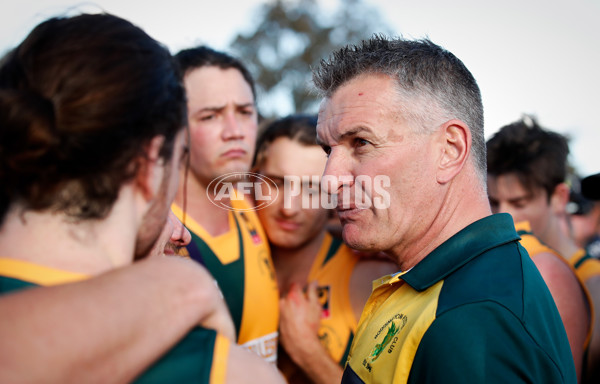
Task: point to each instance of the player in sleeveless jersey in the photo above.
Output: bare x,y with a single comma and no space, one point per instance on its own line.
324,284
226,235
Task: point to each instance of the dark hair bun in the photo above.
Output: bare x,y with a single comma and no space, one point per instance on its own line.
28,138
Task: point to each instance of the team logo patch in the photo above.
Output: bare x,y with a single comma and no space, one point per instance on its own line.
324,296
256,239
387,337
330,339
265,265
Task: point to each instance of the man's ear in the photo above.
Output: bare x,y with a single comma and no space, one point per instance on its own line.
455,140
560,198
151,169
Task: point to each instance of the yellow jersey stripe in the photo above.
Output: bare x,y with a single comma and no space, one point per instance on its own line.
37,274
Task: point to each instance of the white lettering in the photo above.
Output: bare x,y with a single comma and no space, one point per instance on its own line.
291,188
245,188
361,198
311,192
382,200
345,181
265,347
258,191
226,191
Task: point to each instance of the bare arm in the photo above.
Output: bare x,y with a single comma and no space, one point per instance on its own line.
570,301
108,328
245,367
593,374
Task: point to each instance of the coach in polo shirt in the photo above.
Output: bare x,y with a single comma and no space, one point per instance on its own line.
469,304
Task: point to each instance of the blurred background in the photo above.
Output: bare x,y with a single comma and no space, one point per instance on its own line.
529,56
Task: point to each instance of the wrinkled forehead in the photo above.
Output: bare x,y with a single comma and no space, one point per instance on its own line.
368,102
336,120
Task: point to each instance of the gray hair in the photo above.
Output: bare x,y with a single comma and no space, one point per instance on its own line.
435,81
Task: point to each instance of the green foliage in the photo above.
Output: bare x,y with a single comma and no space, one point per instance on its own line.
290,38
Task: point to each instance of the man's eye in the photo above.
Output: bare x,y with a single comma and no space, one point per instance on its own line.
207,117
358,142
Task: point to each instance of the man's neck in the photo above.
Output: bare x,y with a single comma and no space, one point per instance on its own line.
460,205
89,247
557,238
293,265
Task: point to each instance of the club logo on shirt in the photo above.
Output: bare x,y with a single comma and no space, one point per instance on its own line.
256,239
330,340
265,265
324,295
387,334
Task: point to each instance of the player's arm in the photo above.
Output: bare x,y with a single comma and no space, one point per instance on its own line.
108,328
298,327
244,367
570,301
593,363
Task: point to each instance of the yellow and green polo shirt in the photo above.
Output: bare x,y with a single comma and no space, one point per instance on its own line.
475,310
200,357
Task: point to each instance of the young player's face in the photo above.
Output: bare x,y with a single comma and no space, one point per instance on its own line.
223,122
298,222
508,195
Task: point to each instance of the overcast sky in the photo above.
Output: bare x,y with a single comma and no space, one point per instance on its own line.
528,56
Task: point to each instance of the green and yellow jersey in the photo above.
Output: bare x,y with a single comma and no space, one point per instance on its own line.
475,310
240,261
332,269
585,265
534,247
200,357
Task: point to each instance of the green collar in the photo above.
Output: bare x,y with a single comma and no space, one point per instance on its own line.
464,246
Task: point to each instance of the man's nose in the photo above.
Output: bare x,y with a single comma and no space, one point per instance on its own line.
337,174
180,235
232,129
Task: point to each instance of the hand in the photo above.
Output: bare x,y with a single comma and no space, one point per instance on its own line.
299,321
298,332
